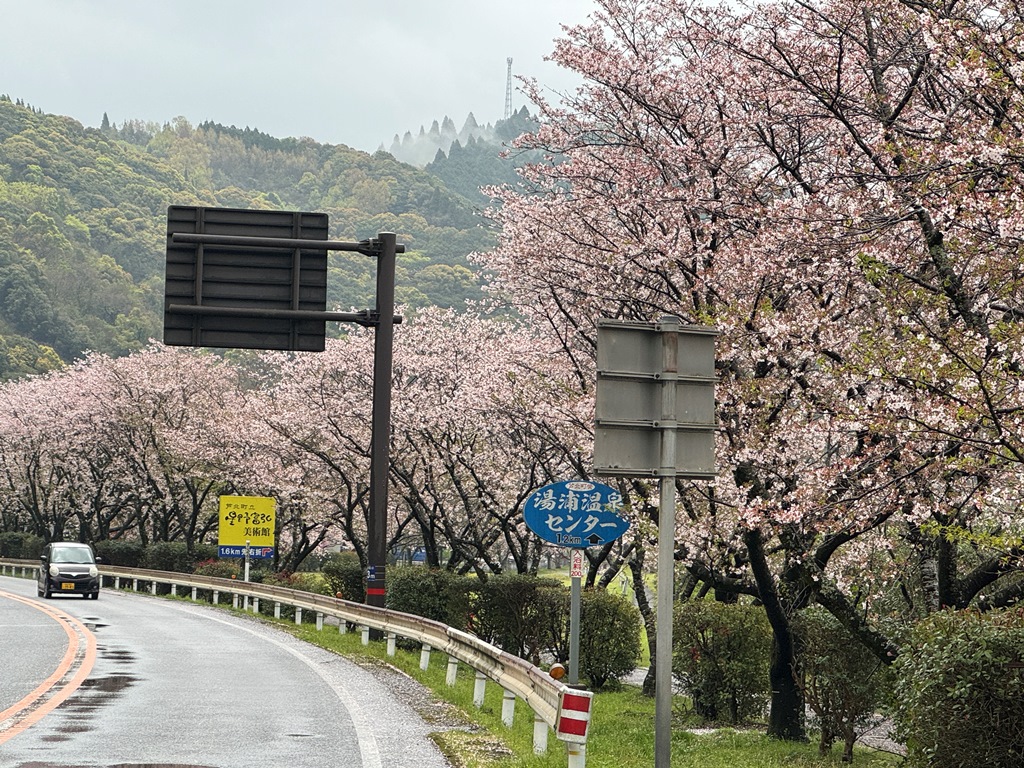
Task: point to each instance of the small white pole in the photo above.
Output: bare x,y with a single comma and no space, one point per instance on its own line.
425,657
391,643
508,707
479,687
453,671
540,735
577,754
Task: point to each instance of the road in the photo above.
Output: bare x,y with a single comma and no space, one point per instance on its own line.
131,681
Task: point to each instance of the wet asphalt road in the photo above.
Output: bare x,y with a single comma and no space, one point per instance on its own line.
177,685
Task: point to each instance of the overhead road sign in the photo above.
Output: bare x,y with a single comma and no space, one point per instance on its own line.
251,279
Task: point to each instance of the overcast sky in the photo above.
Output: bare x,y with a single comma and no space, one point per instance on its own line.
350,72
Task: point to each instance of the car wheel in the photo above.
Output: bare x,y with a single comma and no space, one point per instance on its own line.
47,592
93,595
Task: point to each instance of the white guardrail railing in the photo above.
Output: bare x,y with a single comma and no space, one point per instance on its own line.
548,698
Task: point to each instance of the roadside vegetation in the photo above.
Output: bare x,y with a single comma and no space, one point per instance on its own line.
622,731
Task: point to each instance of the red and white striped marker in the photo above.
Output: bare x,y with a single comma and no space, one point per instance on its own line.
573,715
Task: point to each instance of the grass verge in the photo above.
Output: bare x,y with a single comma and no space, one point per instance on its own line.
621,732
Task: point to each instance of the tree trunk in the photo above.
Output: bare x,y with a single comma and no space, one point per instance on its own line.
636,566
786,715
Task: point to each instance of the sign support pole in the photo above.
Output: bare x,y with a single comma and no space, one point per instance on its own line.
576,588
245,576
666,546
380,447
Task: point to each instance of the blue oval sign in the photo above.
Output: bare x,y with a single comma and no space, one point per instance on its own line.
576,513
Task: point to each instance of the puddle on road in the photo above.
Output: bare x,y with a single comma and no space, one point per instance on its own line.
93,694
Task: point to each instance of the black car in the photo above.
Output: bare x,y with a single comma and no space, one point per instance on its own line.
68,568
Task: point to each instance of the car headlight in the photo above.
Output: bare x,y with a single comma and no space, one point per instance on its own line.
94,571
54,571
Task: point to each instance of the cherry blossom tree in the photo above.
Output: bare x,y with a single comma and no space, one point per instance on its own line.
833,185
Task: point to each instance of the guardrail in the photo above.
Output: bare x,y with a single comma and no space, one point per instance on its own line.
517,677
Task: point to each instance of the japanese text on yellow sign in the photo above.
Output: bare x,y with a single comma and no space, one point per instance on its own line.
246,519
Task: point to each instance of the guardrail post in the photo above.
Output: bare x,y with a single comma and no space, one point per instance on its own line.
577,754
425,657
298,615
540,735
245,603
342,626
195,591
479,688
508,707
319,621
255,605
234,599
135,585
174,589
366,635
216,597
277,610
117,582
453,671
152,587
391,643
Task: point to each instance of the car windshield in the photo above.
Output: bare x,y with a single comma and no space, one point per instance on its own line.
71,555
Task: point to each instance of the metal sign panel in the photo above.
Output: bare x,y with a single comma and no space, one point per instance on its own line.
247,520
233,278
575,513
636,363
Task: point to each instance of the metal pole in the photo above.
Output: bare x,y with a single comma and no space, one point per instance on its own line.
380,452
245,576
669,327
574,629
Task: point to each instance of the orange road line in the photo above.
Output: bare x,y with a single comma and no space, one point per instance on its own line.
75,631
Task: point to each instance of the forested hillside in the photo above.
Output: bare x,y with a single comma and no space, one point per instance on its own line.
82,222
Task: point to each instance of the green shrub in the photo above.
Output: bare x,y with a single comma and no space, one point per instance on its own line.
609,637
842,681
222,569
20,546
508,612
168,556
610,632
431,593
959,694
344,574
126,554
721,653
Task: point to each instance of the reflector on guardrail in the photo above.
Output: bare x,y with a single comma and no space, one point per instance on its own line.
573,715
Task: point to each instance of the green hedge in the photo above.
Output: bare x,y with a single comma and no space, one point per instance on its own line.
431,593
720,657
843,682
344,574
959,693
20,546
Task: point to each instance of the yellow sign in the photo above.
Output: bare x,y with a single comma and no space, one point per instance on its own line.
246,519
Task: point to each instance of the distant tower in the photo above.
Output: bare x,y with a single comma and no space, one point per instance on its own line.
508,89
